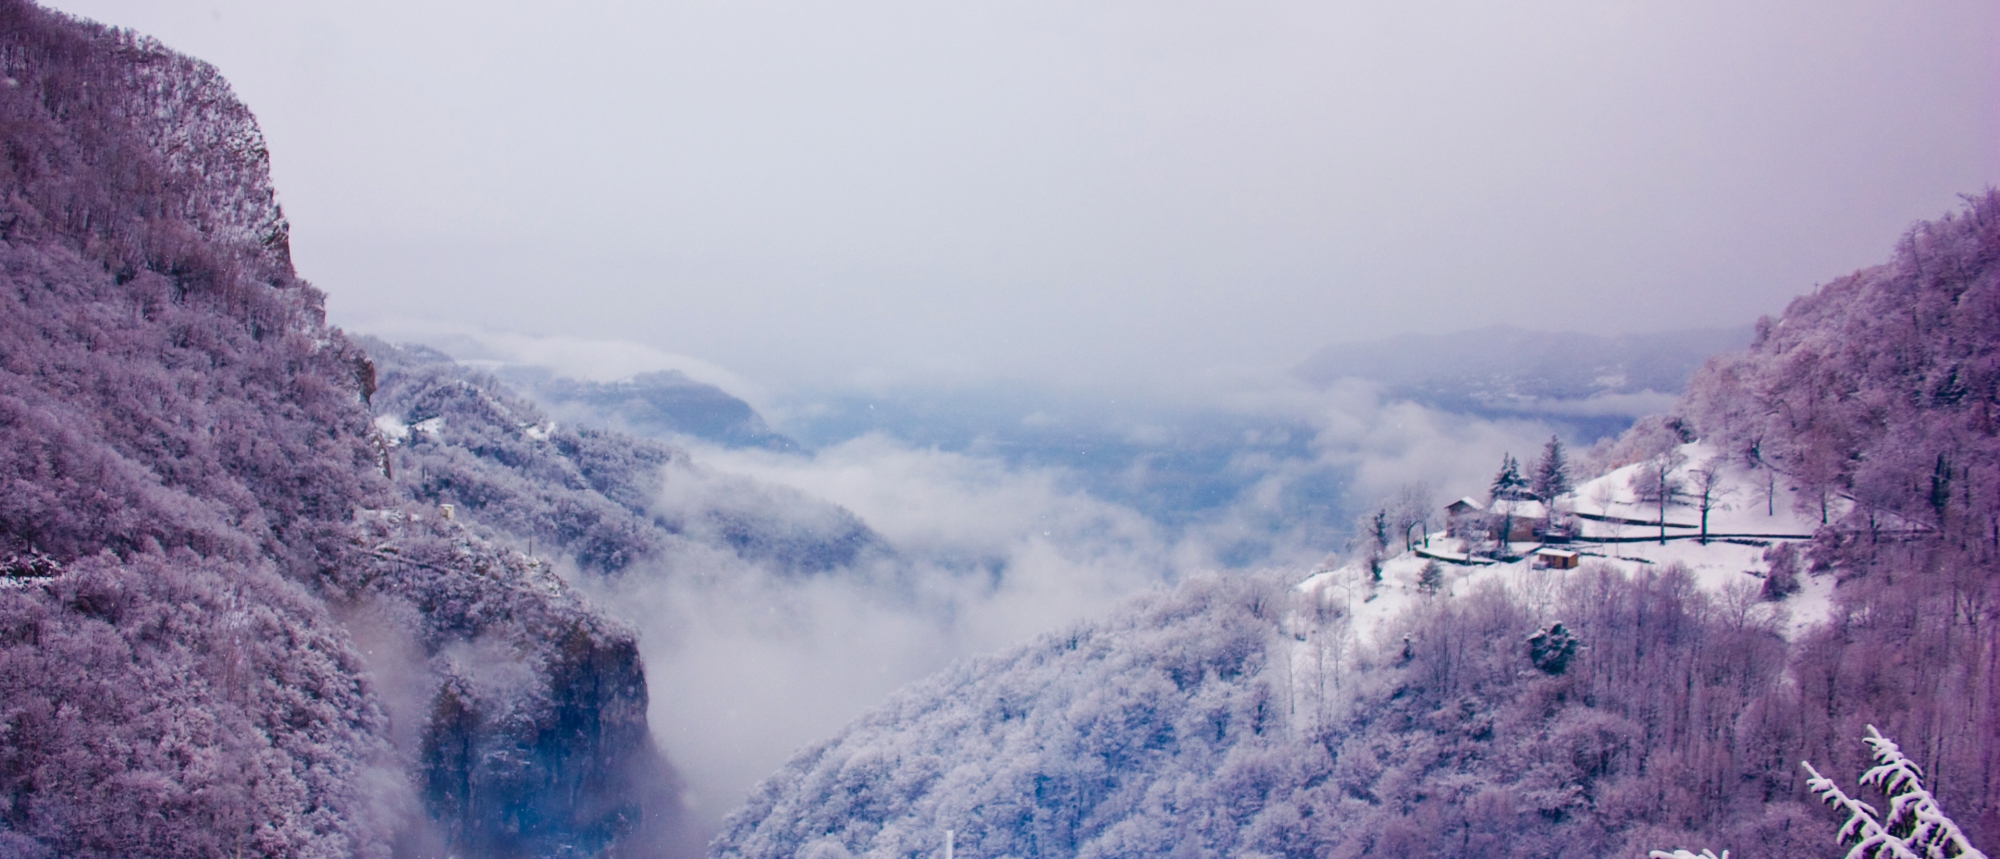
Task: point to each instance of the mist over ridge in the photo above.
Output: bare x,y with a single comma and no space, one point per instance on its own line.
1261,466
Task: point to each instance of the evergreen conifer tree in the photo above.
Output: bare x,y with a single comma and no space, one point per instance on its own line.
1431,578
1551,472
1508,483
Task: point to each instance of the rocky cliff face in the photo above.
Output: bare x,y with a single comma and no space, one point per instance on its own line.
524,708
223,630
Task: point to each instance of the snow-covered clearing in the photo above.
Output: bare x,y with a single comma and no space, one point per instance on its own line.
1343,610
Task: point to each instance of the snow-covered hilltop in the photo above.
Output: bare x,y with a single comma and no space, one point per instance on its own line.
1728,525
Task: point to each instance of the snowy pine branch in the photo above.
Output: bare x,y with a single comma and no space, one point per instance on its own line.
1911,805
1912,810
1869,838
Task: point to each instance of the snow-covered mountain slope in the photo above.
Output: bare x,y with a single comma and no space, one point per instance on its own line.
1346,714
1741,501
1335,713
223,632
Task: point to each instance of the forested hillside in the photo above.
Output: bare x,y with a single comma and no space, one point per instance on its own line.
1875,397
223,629
1190,725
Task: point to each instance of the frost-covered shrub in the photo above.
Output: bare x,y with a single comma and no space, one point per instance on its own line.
1550,649
1783,578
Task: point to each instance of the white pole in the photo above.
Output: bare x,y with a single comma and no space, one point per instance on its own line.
947,844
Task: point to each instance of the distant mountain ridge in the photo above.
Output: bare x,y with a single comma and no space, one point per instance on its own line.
1598,383
655,405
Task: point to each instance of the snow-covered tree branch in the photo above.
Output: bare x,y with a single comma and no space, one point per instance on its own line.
1916,827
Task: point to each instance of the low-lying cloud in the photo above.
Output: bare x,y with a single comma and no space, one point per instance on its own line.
1387,443
748,664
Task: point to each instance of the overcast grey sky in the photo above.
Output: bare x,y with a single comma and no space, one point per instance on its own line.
811,193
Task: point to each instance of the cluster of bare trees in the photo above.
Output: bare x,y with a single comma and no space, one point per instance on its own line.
1877,394
1398,523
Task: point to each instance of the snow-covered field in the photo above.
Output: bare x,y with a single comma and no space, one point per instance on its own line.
1350,611
1744,502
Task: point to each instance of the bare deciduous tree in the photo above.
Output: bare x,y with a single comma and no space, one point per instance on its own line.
1706,487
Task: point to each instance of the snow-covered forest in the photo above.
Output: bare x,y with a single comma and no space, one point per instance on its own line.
223,629
270,589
